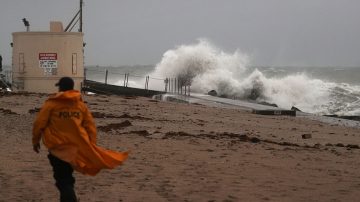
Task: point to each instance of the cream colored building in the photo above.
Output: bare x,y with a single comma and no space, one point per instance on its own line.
40,58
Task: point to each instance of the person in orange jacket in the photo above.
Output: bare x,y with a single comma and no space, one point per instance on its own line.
68,130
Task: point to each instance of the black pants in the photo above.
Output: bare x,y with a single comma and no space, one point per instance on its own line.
64,179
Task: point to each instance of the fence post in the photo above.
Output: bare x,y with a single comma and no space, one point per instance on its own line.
170,86
147,83
178,86
166,84
127,80
176,80
106,76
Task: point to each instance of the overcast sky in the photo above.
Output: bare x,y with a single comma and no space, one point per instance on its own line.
130,32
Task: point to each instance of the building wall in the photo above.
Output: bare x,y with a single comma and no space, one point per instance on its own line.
30,61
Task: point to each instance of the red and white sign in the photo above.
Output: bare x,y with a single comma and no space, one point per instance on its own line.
47,56
48,60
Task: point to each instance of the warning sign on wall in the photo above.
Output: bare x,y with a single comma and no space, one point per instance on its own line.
48,60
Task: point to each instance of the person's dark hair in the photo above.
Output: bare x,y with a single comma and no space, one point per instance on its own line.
65,83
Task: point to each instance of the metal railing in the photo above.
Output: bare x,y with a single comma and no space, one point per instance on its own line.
169,85
6,78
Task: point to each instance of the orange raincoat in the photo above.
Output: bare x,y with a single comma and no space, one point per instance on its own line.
67,129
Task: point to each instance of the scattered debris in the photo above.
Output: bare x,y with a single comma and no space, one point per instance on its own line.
7,111
33,111
275,112
306,136
114,126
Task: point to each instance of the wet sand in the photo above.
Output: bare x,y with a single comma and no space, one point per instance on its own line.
187,152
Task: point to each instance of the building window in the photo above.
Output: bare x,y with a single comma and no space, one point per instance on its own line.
74,63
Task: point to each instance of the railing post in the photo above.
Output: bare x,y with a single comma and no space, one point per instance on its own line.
147,83
127,80
170,85
106,76
176,85
166,84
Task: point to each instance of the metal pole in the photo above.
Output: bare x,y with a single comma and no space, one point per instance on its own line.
127,80
172,85
146,82
124,80
85,70
147,85
175,82
68,26
168,84
81,22
106,76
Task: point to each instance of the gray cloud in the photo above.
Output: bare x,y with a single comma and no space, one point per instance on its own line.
273,32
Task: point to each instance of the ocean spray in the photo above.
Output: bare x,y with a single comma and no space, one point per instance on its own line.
209,68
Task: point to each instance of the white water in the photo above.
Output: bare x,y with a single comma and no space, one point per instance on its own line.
209,68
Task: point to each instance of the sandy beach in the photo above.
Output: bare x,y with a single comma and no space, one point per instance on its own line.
187,152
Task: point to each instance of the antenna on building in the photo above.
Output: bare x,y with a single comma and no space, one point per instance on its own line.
27,24
77,17
81,5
